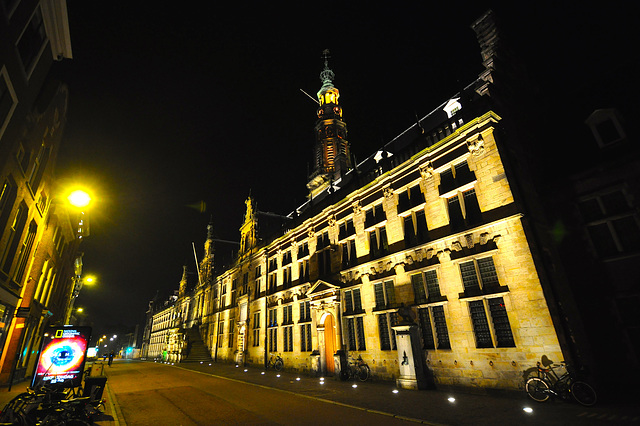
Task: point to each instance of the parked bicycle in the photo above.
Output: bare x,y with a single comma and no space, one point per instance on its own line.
50,405
275,362
359,369
566,386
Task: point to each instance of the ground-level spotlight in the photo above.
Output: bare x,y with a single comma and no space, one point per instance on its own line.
298,379
245,370
451,399
262,372
395,391
277,375
528,410
354,386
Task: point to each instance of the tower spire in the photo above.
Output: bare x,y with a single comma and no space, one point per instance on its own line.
332,151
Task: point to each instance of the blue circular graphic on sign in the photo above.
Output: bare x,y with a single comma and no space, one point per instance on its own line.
62,356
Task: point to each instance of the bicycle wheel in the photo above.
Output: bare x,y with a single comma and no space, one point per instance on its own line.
537,389
278,365
363,373
583,393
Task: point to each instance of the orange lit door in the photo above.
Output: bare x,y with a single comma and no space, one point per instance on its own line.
329,343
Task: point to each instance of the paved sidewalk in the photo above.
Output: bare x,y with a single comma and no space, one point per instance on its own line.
435,407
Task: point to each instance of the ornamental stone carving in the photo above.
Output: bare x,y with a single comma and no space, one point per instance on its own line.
476,147
388,192
357,207
427,170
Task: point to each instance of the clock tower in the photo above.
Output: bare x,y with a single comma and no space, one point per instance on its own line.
332,155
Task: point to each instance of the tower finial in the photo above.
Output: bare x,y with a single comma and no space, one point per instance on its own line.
326,76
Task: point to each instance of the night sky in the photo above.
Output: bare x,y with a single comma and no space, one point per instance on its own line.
172,105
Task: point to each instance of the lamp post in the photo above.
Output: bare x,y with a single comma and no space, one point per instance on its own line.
80,200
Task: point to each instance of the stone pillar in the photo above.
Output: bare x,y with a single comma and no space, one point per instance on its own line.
412,374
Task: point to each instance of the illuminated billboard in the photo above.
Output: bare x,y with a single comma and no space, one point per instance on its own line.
62,356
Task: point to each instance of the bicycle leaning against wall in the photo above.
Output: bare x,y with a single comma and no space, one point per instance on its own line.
358,369
275,362
548,383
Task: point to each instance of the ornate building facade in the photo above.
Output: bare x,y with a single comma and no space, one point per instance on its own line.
426,235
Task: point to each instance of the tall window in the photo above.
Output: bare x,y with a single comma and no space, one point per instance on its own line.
25,251
8,194
378,245
346,229
387,335
426,287
410,198
32,41
38,167
433,327
305,311
355,333
415,229
349,257
352,301
232,332
273,329
220,333
464,210
374,216
8,100
479,276
305,338
258,274
256,329
501,327
15,231
384,293
303,270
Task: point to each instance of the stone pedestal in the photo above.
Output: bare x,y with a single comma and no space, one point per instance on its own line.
412,374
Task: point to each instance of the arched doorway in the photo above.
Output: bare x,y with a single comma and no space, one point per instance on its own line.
329,342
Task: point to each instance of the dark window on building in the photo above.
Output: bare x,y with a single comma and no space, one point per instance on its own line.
305,338
256,329
378,245
612,223
32,40
480,324
346,229
479,276
352,301
6,101
410,198
349,257
499,318
232,330
426,287
8,196
13,240
385,296
305,312
464,210
355,334
374,216
437,326
25,251
387,335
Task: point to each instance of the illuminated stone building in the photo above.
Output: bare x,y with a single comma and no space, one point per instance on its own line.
39,236
427,234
